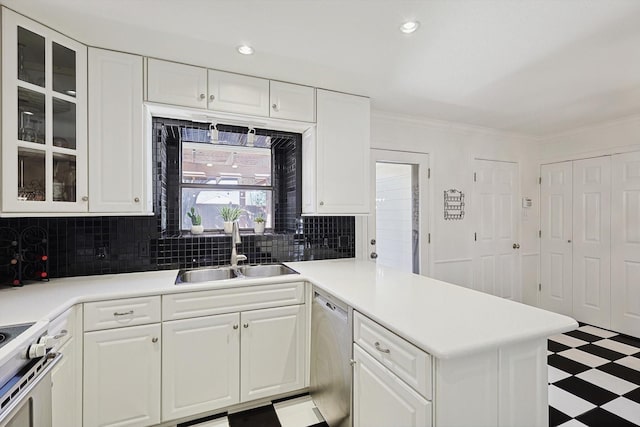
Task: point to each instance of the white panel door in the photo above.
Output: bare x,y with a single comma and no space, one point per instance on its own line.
273,355
200,365
381,399
116,144
625,244
592,241
176,84
556,219
496,260
237,93
122,377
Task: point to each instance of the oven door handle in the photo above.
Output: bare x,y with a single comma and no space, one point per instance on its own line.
18,400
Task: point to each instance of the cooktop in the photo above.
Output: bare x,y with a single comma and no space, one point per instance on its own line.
7,333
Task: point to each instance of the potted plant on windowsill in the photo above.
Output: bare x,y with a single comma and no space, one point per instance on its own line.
258,225
229,216
196,221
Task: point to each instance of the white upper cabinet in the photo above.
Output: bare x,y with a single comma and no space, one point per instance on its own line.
236,93
176,84
292,102
336,159
117,147
44,119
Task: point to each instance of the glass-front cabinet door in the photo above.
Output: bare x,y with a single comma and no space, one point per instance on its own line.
44,117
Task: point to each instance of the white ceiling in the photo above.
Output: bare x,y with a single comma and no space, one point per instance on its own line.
535,67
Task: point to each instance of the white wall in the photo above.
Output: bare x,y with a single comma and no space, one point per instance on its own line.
452,149
614,137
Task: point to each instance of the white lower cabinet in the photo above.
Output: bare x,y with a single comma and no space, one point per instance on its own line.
200,365
122,376
273,351
382,399
217,361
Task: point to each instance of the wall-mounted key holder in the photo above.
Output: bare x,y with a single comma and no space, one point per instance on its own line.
453,204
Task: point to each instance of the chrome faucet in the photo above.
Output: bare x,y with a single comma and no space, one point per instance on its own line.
235,239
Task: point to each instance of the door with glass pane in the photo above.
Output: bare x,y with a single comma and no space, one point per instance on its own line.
398,224
44,142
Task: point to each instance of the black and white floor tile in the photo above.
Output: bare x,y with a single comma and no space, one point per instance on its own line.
295,412
594,379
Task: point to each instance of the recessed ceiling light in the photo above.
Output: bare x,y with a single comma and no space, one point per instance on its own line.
409,27
245,49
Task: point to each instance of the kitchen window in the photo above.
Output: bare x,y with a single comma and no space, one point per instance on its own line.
233,168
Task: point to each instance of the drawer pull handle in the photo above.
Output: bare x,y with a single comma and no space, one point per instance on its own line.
380,349
63,333
123,314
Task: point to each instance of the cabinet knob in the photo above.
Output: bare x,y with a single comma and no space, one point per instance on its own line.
352,362
275,107
235,326
321,203
246,325
154,340
137,199
569,241
85,198
212,97
202,96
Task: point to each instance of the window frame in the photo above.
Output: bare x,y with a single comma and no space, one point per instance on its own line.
225,187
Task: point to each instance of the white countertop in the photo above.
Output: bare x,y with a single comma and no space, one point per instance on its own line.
443,319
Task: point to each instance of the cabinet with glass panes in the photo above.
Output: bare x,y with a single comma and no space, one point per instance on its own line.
44,116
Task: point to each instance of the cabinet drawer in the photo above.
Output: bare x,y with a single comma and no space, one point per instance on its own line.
122,312
206,303
64,326
404,359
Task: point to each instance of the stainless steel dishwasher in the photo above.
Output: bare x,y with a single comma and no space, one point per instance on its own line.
331,350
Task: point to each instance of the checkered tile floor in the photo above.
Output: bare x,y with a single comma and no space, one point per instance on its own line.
292,412
594,379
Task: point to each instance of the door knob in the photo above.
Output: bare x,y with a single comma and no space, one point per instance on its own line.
373,255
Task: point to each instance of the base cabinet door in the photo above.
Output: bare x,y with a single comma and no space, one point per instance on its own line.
273,353
381,399
122,377
200,365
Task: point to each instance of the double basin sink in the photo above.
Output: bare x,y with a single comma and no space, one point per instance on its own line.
209,274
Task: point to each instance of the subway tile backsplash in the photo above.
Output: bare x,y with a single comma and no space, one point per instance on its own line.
80,246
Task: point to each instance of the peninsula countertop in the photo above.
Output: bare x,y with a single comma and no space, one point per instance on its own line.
443,319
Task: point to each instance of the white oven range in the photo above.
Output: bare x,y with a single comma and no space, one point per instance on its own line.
26,361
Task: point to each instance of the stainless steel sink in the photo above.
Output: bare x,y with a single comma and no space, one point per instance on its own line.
265,270
210,274
205,275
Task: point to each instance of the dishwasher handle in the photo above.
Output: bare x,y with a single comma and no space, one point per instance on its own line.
328,306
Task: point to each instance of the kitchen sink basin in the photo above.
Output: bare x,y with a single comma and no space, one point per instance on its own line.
211,274
265,270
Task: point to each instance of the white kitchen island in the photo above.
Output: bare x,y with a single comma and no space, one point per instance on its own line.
476,359
489,355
